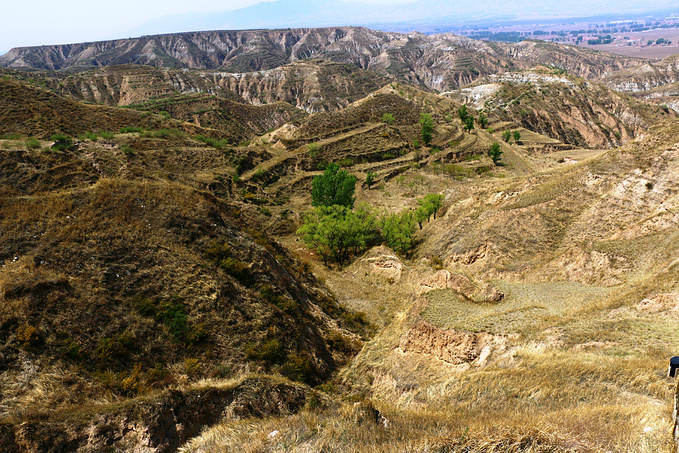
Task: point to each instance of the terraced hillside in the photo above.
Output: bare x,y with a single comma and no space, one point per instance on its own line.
49,114
538,308
563,107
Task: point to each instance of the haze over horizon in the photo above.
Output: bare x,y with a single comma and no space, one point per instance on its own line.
38,22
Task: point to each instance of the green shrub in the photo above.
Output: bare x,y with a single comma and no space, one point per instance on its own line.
62,142
117,348
517,137
346,162
426,127
222,371
219,144
270,351
369,179
71,349
388,118
92,136
313,149
168,312
398,229
298,367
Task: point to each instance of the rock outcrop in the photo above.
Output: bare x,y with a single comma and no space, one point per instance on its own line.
452,346
158,425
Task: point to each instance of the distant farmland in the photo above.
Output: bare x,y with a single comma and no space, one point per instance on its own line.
671,34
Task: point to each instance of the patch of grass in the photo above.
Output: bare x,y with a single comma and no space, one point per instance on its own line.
219,144
131,129
33,143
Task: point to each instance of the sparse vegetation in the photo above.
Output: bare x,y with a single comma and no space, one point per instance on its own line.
62,142
219,144
142,270
33,143
313,149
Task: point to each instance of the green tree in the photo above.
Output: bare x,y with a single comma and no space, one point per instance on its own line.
336,232
495,152
333,187
462,113
388,118
427,127
421,214
482,120
469,124
369,179
433,201
398,230
517,136
506,136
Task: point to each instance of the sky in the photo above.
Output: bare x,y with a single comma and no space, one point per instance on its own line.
43,22
47,22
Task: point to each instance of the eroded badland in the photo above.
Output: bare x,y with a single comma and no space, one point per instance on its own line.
156,296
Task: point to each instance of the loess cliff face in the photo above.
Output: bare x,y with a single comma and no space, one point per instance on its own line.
646,76
438,62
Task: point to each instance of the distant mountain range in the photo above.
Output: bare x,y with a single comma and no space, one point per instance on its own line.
322,13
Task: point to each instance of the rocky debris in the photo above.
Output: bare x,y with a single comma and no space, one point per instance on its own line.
657,303
452,346
595,345
589,267
472,256
443,279
383,263
156,425
364,413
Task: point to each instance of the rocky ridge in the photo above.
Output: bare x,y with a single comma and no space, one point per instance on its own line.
439,62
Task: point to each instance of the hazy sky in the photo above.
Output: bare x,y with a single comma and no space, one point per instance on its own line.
38,22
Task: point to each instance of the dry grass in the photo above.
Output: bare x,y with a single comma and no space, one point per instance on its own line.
525,308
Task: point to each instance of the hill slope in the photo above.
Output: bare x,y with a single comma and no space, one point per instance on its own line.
561,106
